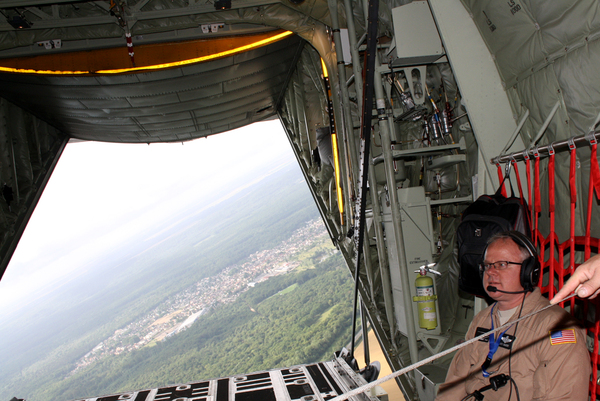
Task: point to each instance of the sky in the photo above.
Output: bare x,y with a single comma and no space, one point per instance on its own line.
101,194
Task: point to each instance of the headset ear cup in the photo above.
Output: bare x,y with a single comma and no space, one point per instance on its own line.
527,269
530,269
482,258
535,273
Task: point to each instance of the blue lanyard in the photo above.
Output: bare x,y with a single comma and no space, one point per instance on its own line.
493,344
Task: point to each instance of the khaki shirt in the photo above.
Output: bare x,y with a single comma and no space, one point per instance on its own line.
542,368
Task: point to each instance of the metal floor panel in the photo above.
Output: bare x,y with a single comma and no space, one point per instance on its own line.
311,382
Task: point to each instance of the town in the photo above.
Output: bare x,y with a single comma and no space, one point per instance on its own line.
181,310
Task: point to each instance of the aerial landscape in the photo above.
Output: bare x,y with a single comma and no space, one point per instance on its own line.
245,281
180,311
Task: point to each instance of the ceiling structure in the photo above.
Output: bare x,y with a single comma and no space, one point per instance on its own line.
172,104
133,71
156,90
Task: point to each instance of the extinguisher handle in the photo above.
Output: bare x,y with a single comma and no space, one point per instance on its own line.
427,268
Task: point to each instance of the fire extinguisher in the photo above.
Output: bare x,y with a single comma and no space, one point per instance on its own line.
426,297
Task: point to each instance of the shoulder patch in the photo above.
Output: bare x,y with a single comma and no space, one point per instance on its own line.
563,337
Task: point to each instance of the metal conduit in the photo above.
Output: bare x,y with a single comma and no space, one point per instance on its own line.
341,165
383,258
368,266
397,234
365,333
347,126
356,65
386,144
546,122
546,150
516,132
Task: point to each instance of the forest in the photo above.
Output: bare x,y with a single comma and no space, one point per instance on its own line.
268,326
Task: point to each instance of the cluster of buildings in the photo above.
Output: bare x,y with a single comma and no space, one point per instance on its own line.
179,311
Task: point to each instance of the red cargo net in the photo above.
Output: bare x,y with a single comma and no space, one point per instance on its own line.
556,258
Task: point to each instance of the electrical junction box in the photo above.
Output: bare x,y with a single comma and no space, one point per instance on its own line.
427,379
416,35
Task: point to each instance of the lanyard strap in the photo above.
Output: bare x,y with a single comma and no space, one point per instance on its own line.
493,345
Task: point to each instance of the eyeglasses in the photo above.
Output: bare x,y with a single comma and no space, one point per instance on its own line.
500,265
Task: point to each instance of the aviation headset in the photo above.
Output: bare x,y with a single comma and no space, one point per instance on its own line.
530,267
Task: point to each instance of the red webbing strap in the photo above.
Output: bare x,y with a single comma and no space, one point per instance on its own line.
573,190
561,262
538,195
595,170
501,180
594,380
528,216
573,176
551,185
588,222
514,163
543,263
529,191
593,328
594,176
528,173
552,207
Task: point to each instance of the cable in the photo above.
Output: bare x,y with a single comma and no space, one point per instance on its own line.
496,382
516,388
468,396
510,356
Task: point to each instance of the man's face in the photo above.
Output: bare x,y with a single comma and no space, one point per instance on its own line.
508,279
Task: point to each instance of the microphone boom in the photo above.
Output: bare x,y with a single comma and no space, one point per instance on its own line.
491,288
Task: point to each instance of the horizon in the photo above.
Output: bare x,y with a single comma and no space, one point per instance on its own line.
90,206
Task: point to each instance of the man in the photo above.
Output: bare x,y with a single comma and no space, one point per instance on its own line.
543,357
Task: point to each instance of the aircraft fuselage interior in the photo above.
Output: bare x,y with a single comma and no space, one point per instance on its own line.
400,114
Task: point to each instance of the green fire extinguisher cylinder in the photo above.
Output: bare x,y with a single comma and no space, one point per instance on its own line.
426,302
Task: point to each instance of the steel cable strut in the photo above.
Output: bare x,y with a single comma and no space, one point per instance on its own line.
365,133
